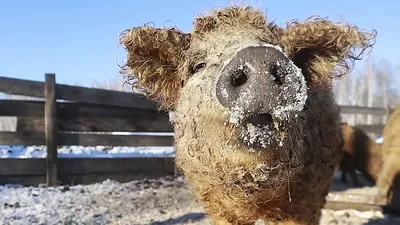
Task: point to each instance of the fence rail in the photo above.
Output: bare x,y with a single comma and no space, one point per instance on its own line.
362,110
85,170
52,121
66,92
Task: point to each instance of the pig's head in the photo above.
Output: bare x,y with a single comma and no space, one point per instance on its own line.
237,81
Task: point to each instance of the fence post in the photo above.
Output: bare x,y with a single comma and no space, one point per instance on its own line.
50,128
387,112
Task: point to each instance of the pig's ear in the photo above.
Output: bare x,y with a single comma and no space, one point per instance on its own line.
324,50
153,58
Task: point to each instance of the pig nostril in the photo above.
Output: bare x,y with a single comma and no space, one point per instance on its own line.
274,72
239,78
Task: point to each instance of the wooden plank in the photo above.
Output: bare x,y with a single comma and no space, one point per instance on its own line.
22,138
114,140
85,170
80,94
80,117
21,108
106,97
23,180
362,110
73,109
81,178
50,129
89,139
114,165
337,205
76,166
15,86
86,117
22,167
335,196
134,124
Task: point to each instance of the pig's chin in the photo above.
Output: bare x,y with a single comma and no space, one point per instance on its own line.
259,131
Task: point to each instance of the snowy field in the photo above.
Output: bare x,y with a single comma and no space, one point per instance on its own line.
167,200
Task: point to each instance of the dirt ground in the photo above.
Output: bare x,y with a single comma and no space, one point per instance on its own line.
176,205
163,201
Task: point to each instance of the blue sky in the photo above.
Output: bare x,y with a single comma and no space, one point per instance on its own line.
78,40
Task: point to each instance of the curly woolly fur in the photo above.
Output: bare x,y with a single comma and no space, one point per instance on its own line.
237,184
389,178
361,153
160,72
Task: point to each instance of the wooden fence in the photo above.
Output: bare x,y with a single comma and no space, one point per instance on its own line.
63,104
381,113
80,104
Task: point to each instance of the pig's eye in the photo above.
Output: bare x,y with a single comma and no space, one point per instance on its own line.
197,67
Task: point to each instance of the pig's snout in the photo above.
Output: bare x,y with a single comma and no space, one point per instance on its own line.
260,79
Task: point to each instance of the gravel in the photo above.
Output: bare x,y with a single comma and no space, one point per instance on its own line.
160,201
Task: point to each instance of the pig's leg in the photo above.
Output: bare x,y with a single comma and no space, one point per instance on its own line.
343,178
344,169
355,178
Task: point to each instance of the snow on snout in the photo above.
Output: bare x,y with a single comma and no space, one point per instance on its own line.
291,95
293,79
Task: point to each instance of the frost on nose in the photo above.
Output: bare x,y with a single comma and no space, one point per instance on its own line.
262,90
261,79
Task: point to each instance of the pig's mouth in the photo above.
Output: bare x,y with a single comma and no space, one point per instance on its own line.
260,120
260,130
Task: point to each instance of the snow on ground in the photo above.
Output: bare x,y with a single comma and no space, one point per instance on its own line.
87,152
109,202
92,151
166,200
